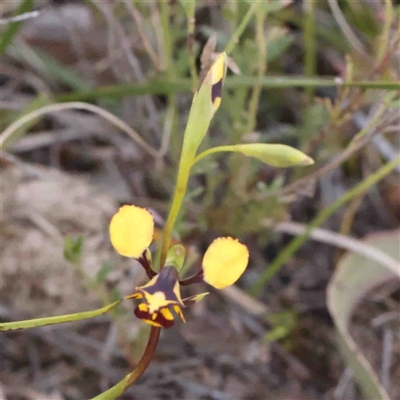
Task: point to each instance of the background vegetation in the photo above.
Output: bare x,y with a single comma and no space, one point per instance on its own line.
94,101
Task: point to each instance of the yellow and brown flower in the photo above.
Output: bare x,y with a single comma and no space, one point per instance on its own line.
131,233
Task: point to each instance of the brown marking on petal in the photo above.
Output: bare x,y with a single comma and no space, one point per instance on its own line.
165,282
197,278
162,319
216,93
192,300
189,301
179,312
141,311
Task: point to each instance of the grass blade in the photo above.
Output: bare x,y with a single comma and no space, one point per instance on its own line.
158,87
7,36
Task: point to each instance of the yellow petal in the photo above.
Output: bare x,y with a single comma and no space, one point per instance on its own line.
224,262
178,310
131,231
218,71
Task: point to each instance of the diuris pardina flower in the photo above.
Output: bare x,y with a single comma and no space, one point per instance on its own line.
131,233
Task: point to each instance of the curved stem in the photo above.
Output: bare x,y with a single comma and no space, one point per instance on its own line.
21,122
118,389
240,29
179,194
146,357
212,151
197,278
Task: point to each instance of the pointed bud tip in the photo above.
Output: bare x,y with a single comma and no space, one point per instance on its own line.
308,161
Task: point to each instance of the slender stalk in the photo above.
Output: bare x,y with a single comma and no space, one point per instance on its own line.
213,150
242,26
296,243
191,25
167,40
167,86
58,319
261,70
146,357
179,194
118,389
310,45
385,36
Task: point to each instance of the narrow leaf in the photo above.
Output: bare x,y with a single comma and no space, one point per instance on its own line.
59,319
73,249
355,276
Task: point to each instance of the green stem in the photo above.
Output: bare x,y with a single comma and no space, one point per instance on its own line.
147,355
158,87
242,26
385,36
167,40
179,194
118,389
191,24
213,150
261,69
297,242
310,45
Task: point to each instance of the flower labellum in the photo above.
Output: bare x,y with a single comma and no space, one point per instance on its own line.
159,295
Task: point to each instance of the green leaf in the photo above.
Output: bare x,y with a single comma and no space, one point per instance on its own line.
59,319
61,73
7,36
276,155
73,249
355,276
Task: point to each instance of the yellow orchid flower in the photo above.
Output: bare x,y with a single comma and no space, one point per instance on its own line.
131,233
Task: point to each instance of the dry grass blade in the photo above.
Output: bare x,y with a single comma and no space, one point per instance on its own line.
19,18
346,29
345,242
8,132
247,302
